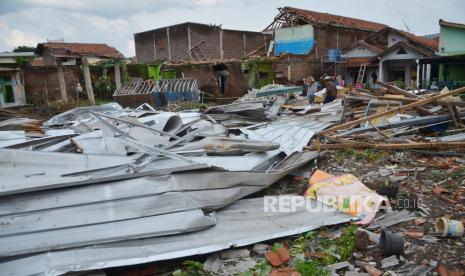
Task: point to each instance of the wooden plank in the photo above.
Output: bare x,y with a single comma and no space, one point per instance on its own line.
397,90
356,97
421,102
452,116
424,145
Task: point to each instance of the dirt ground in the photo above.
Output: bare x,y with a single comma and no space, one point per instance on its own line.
417,173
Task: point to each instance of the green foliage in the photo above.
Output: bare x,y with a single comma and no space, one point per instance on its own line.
261,72
310,268
347,243
22,60
24,48
400,83
310,235
276,246
297,246
344,154
103,87
138,71
262,268
371,155
368,155
191,268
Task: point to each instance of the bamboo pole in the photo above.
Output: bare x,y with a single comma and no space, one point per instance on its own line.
393,111
422,145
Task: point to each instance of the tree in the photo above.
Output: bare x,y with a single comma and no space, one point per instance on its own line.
24,48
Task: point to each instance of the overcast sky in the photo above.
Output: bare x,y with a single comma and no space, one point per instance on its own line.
27,22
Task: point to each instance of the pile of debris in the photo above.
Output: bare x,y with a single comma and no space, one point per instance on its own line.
99,181
106,186
392,118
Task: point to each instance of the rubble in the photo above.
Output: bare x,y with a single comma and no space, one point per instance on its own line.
173,184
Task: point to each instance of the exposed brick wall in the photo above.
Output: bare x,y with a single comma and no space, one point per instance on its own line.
237,84
41,83
297,68
207,36
328,37
210,47
48,58
178,42
233,44
144,47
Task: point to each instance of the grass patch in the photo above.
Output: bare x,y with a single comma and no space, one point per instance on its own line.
262,268
191,268
367,155
310,268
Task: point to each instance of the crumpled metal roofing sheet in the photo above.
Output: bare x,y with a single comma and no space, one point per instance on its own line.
242,223
141,227
291,134
449,138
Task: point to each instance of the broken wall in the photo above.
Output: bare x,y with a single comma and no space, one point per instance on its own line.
237,84
156,45
41,83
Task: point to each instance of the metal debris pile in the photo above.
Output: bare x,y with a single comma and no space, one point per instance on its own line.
392,118
104,186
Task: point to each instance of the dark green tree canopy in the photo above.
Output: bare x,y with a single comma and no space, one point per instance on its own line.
24,48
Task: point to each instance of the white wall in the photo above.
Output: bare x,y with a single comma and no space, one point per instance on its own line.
394,38
360,51
393,55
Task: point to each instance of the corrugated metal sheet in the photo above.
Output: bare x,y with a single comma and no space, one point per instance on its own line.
294,132
233,229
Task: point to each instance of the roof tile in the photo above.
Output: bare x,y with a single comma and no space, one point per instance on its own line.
331,19
82,49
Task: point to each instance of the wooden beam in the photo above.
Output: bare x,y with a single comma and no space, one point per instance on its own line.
424,145
353,96
397,90
421,102
88,81
452,116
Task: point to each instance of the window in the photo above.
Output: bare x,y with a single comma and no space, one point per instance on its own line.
262,75
401,51
8,93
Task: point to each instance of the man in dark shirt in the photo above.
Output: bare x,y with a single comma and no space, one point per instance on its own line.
331,90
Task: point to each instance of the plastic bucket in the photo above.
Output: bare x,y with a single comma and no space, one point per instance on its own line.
449,228
390,243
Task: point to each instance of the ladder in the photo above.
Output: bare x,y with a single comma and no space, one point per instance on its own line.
361,74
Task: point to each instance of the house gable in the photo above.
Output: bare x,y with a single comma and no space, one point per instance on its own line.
401,51
393,38
360,51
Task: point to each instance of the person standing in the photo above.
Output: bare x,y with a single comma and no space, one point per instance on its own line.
331,90
312,89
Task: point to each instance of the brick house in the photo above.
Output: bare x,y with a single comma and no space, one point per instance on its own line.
391,55
195,41
62,65
310,42
12,81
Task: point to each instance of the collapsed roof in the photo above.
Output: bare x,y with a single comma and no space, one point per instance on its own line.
295,16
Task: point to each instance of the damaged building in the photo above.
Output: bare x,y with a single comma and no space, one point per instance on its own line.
312,42
194,41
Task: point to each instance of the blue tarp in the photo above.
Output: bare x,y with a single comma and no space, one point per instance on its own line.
299,47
